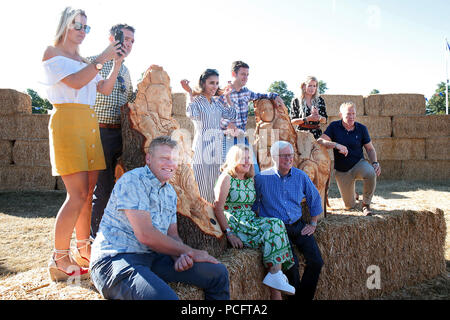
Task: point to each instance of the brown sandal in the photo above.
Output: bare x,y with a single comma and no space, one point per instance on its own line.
366,210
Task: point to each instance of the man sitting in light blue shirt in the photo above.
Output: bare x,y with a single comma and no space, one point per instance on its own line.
137,249
279,193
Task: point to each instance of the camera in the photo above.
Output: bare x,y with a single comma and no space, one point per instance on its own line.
119,37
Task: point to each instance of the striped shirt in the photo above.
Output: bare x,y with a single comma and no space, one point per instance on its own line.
207,144
281,197
108,107
240,100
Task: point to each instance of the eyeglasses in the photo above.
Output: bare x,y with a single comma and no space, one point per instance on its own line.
78,26
286,156
123,88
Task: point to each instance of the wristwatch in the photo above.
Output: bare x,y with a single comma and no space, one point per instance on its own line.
97,65
227,231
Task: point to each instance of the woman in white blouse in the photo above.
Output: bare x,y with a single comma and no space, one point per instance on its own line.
76,152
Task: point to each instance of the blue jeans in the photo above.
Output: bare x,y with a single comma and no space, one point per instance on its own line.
306,287
112,149
131,276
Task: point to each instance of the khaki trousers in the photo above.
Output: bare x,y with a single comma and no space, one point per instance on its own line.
346,183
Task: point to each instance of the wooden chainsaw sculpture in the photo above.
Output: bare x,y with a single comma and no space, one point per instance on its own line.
149,117
273,124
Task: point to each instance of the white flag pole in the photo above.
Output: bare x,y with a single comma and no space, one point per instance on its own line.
447,51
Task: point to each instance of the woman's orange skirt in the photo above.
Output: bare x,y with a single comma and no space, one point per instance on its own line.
74,137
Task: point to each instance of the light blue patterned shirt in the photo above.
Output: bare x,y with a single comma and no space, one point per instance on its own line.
137,189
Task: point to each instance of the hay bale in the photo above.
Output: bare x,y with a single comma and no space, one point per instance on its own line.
251,123
26,178
246,273
406,246
333,102
12,102
186,123
378,126
421,126
394,104
399,148
34,153
427,170
6,152
24,126
178,104
391,170
437,148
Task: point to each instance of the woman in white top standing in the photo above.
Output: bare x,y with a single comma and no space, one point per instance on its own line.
76,152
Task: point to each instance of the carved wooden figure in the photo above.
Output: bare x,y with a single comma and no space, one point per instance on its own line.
273,124
149,117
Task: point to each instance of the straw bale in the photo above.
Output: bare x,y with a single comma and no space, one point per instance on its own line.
378,126
6,152
437,148
421,126
178,104
12,101
399,148
24,126
406,246
251,123
391,170
333,102
427,170
185,123
26,178
394,104
246,273
31,153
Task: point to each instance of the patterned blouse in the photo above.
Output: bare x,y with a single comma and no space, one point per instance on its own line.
302,111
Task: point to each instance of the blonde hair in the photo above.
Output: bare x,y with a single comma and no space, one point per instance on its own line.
235,157
67,18
303,87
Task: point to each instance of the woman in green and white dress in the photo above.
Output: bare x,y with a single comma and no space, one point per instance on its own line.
235,194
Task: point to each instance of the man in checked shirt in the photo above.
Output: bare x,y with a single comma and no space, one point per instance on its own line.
108,113
241,96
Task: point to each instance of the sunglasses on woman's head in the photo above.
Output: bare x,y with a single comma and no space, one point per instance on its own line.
78,26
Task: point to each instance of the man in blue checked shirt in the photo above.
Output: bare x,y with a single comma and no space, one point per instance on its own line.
279,193
241,96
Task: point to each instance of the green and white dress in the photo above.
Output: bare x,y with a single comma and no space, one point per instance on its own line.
256,232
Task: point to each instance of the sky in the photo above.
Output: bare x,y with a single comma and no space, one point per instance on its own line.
354,46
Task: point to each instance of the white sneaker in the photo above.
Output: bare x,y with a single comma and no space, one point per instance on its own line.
279,281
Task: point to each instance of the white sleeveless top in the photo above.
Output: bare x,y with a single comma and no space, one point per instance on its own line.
59,67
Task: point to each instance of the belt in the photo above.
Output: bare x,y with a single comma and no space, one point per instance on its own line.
109,126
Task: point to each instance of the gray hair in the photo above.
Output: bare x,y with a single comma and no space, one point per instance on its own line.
347,105
162,141
277,146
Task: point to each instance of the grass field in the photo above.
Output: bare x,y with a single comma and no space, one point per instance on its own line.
27,218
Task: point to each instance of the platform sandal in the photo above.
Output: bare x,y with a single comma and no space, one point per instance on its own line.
57,274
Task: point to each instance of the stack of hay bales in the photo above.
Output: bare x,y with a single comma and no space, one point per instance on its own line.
403,248
24,159
410,145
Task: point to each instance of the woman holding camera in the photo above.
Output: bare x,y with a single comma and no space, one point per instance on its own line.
309,111
76,152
